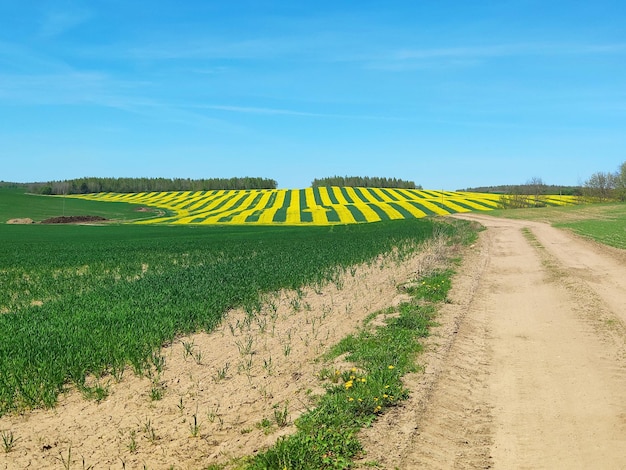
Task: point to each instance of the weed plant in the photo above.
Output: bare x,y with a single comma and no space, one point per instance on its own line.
8,441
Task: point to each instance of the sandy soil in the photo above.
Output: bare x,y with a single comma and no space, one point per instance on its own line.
20,221
528,369
218,388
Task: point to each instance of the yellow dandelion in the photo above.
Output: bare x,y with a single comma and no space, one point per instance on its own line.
390,367
348,384
363,380
350,399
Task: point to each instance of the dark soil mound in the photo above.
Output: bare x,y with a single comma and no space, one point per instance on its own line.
74,219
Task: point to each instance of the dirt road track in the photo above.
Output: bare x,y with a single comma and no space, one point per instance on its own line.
528,370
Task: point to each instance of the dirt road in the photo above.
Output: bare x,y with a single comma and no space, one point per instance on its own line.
528,369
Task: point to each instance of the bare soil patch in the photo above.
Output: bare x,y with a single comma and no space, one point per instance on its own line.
22,221
74,219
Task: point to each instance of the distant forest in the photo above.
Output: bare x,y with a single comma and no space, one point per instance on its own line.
365,182
139,185
529,189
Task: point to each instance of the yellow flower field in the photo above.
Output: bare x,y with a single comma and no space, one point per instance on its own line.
310,206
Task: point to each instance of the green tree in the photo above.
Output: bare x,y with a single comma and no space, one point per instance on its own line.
600,185
365,182
620,183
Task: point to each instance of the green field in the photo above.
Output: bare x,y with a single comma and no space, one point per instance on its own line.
15,204
310,206
89,300
605,223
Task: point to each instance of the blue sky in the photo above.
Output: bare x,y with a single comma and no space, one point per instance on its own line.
449,94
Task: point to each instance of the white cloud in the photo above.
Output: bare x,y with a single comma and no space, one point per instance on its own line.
288,112
56,23
412,58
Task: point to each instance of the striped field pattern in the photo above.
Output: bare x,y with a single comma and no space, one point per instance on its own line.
310,206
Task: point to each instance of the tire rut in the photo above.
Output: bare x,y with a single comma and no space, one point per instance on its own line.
445,423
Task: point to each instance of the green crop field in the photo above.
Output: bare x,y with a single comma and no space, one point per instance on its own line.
605,223
89,300
15,204
310,206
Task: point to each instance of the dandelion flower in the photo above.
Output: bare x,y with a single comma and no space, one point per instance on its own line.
390,367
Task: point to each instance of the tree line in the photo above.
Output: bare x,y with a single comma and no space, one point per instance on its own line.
365,182
607,185
600,186
138,185
529,189
530,194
